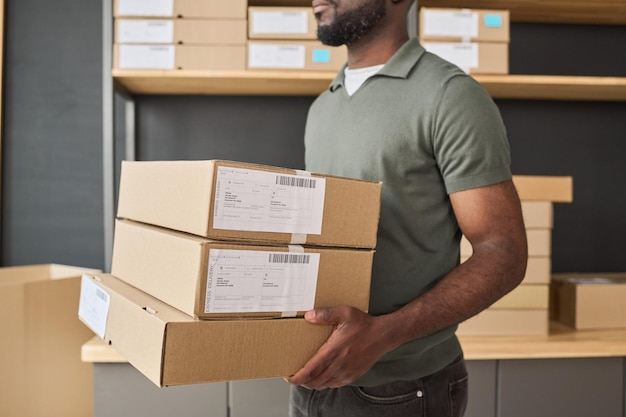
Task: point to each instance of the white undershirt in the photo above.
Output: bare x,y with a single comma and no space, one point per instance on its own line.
354,78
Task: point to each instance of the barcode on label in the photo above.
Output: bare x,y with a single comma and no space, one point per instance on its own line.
289,258
102,295
296,182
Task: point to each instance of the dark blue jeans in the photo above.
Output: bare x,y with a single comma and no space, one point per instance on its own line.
442,394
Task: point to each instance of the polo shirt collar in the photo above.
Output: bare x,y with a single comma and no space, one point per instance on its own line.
399,66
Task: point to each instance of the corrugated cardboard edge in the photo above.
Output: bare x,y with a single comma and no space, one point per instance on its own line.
558,189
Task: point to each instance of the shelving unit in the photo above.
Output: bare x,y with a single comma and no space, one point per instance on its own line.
286,83
310,83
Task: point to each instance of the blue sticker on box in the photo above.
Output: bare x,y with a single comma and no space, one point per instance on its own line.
321,56
493,20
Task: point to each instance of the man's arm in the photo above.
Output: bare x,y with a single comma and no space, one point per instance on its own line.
490,218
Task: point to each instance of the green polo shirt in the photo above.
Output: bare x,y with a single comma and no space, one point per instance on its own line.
426,130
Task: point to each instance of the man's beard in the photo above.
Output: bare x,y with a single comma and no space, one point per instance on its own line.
352,25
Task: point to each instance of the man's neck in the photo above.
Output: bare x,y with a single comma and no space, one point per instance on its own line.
372,51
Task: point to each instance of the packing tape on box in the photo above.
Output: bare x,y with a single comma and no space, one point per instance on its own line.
292,249
298,238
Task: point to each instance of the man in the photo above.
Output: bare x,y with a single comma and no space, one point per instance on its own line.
434,137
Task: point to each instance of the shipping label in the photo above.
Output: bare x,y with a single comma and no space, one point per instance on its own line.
462,24
162,57
281,56
93,305
261,201
145,31
145,7
245,281
285,23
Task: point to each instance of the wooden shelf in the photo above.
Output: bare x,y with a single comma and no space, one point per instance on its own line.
562,342
292,83
606,12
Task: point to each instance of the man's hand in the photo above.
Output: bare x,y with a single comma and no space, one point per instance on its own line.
356,343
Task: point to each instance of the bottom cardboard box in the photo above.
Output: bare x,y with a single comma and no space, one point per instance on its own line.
171,348
42,373
493,322
589,301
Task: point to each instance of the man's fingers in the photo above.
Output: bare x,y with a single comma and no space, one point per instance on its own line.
332,315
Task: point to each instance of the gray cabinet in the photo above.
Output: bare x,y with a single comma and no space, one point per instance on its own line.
259,398
122,391
498,388
561,387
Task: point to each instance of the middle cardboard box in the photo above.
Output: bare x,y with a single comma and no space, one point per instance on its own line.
212,279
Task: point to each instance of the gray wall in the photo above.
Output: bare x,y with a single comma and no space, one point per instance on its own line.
52,169
52,181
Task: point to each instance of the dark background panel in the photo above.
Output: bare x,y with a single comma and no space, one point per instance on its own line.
563,49
266,130
52,130
588,142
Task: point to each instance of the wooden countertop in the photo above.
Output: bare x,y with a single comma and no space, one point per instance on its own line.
562,342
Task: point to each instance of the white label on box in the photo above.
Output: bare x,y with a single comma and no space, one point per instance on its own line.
145,7
93,306
283,23
145,31
276,56
162,57
243,281
461,24
464,55
262,201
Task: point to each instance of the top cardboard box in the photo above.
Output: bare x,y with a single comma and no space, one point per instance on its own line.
42,374
443,24
222,9
236,201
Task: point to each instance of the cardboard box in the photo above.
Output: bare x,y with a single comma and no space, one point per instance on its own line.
295,55
473,57
237,201
446,24
179,57
538,269
281,23
539,243
589,301
181,31
171,348
42,373
492,322
544,188
221,9
538,214
216,279
525,296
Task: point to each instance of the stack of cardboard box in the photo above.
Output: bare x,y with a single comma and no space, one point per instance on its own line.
180,34
477,41
285,38
525,310
215,263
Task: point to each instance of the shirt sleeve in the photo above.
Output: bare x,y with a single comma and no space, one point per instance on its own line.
469,137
